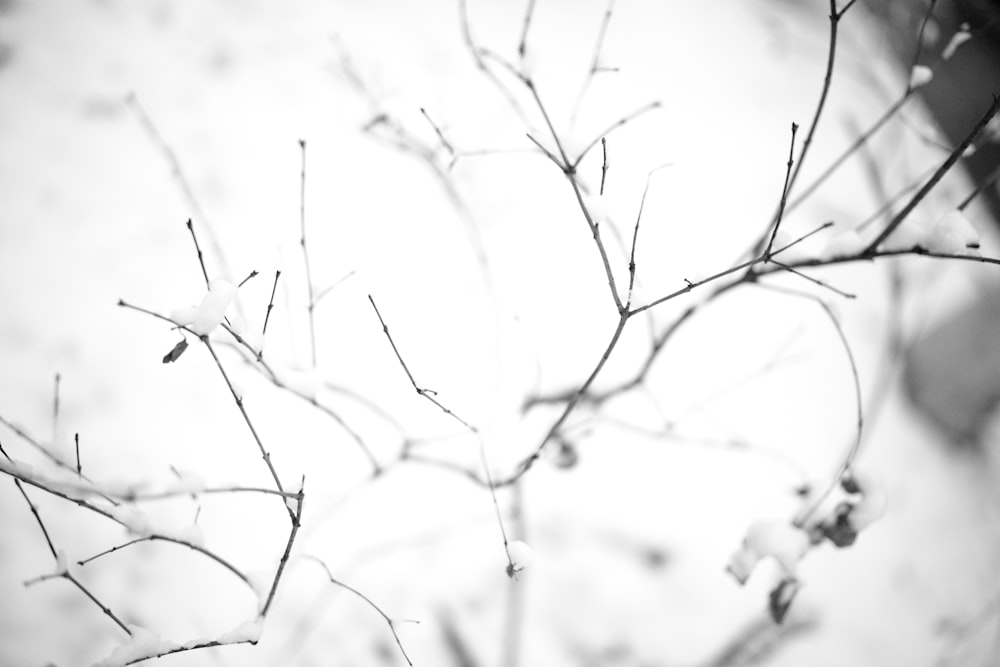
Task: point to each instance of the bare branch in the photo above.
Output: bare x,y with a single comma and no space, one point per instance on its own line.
937,176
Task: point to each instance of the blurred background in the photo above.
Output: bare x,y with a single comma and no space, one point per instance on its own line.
119,121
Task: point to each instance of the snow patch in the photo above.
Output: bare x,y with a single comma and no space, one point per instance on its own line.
961,37
136,521
920,75
248,631
780,540
212,309
953,235
142,644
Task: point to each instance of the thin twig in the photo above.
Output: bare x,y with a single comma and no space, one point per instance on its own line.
604,165
595,59
79,466
430,395
55,409
528,15
197,247
168,494
252,274
784,194
262,367
389,621
514,620
834,17
855,444
326,290
595,231
246,418
305,253
403,139
478,53
862,139
689,285
270,303
173,540
530,460
987,183
437,130
635,231
890,202
660,342
353,434
212,643
815,281
296,524
45,451
547,152
920,40
862,257
178,173
38,519
621,122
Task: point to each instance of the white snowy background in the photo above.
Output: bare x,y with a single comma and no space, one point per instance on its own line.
629,546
